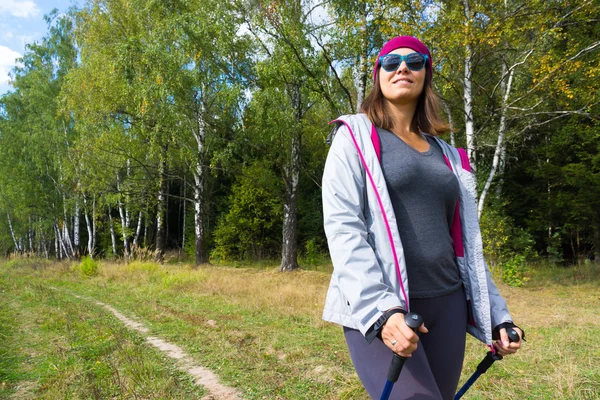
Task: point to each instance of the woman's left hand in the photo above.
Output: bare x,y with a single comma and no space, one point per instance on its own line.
504,346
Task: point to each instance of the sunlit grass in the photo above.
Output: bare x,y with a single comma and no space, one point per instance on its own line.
261,331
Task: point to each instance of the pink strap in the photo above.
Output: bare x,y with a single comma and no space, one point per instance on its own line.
376,142
456,228
464,159
380,202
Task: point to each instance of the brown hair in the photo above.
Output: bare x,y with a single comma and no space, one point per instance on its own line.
426,118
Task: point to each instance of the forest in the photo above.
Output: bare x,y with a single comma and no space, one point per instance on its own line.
142,128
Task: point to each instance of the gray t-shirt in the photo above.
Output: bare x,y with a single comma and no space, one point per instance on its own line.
424,192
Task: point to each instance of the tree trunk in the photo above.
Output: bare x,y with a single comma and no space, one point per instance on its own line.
56,247
76,229
112,234
467,90
94,223
160,212
146,233
289,251
360,70
12,233
183,222
450,122
89,230
199,195
61,242
137,230
124,222
66,235
30,236
499,144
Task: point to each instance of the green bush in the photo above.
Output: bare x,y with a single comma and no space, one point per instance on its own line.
513,271
251,229
502,239
88,267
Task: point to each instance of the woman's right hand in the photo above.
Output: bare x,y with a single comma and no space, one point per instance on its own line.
399,337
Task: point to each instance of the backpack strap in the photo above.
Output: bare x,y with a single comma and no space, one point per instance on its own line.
376,142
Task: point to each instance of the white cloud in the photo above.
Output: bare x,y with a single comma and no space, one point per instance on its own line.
7,62
19,8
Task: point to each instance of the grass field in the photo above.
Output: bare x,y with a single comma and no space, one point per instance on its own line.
259,330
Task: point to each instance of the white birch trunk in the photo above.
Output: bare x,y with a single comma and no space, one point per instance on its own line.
198,173
66,235
161,206
76,227
30,236
88,226
94,222
61,241
127,215
467,92
499,144
90,239
183,206
501,168
145,233
137,230
112,234
450,122
360,70
12,234
123,220
56,247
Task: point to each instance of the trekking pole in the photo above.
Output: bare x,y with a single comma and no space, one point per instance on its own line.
413,321
487,362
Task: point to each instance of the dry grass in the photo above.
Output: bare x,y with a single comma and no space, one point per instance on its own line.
295,293
241,310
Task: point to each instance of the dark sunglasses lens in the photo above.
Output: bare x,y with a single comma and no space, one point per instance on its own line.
390,63
415,61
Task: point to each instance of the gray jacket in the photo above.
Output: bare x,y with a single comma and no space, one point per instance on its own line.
365,245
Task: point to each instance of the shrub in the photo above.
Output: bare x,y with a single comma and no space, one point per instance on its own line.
502,239
251,229
513,271
88,266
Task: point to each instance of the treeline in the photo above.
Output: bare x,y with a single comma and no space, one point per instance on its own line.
200,125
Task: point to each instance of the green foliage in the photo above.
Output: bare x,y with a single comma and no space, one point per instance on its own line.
513,271
251,228
122,99
88,267
502,239
311,252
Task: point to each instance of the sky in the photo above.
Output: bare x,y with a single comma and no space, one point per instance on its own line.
22,22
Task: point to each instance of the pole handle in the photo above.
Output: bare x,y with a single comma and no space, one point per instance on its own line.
413,321
395,368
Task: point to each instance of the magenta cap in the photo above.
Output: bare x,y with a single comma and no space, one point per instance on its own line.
404,41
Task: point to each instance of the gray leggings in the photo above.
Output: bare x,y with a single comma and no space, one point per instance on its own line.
433,371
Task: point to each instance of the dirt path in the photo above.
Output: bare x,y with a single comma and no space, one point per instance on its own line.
202,376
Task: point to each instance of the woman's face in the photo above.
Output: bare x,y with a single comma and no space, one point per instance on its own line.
402,86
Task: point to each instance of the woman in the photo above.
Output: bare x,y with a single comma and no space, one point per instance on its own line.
401,223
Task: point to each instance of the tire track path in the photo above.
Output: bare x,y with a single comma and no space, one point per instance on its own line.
201,375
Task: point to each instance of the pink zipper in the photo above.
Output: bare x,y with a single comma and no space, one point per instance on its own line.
387,225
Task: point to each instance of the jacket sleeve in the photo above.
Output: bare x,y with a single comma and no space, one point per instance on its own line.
498,308
359,276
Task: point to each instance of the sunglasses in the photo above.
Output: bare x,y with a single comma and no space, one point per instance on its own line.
414,61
